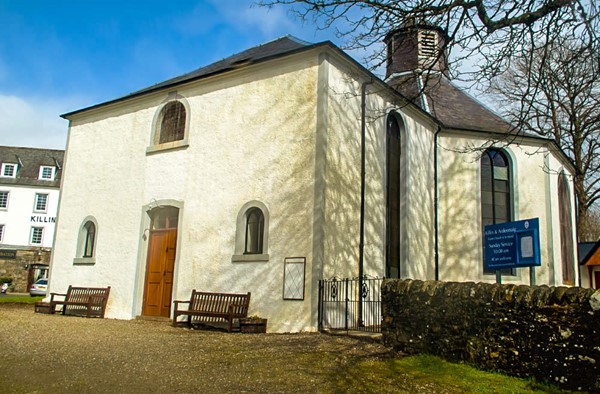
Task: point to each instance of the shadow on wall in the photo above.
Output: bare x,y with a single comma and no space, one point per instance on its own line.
280,174
460,227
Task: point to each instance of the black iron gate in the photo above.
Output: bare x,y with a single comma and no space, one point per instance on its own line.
350,304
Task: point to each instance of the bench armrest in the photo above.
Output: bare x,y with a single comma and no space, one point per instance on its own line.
56,294
176,303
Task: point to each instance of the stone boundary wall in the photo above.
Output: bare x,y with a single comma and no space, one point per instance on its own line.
550,333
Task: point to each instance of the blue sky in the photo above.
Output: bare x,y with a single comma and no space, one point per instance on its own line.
61,55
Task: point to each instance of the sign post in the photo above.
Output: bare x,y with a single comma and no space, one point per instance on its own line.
513,245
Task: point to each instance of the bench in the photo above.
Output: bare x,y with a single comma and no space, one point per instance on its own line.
82,301
210,307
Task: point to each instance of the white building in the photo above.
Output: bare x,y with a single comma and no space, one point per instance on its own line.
29,193
246,175
29,190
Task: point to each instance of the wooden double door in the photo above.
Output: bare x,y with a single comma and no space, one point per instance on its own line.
158,286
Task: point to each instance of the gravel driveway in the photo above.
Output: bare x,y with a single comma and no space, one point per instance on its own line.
53,353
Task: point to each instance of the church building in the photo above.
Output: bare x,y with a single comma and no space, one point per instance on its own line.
289,163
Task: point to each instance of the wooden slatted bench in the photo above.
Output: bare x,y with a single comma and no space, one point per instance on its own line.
210,307
82,301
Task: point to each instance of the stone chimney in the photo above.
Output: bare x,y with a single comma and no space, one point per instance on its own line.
416,47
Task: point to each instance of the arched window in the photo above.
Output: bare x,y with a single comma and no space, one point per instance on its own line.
252,233
89,229
172,122
86,243
496,199
566,230
394,129
255,224
495,188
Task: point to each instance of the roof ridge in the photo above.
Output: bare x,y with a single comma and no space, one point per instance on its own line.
30,148
278,47
297,40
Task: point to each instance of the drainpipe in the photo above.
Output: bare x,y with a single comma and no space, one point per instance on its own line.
577,222
436,204
361,245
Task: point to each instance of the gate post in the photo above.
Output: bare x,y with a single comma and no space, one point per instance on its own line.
320,306
347,301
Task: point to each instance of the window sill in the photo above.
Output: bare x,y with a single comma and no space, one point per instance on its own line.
181,144
84,261
249,258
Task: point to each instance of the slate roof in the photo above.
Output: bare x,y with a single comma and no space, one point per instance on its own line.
450,105
273,49
283,46
586,250
29,161
447,103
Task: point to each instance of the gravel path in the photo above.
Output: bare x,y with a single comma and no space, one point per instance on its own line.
63,354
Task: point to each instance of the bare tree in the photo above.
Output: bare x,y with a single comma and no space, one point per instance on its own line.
555,92
487,34
589,227
541,55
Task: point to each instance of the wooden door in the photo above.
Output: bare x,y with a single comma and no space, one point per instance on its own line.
597,280
159,273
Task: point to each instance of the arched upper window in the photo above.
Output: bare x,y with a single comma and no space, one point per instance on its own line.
170,126
252,233
86,242
566,230
496,190
172,122
255,225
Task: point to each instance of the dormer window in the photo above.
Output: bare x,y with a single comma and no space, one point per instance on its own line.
47,173
9,170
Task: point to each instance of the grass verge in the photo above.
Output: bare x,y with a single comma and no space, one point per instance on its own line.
432,374
19,299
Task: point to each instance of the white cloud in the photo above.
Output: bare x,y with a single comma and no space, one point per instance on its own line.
250,17
34,122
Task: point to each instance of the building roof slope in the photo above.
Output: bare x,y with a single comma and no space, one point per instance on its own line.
449,104
588,253
29,161
445,103
282,46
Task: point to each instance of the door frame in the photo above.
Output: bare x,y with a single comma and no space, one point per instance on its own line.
142,261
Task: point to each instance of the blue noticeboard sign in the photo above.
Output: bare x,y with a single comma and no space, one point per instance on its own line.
512,244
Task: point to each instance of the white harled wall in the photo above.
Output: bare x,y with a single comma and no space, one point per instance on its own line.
251,137
285,133
535,172
343,153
